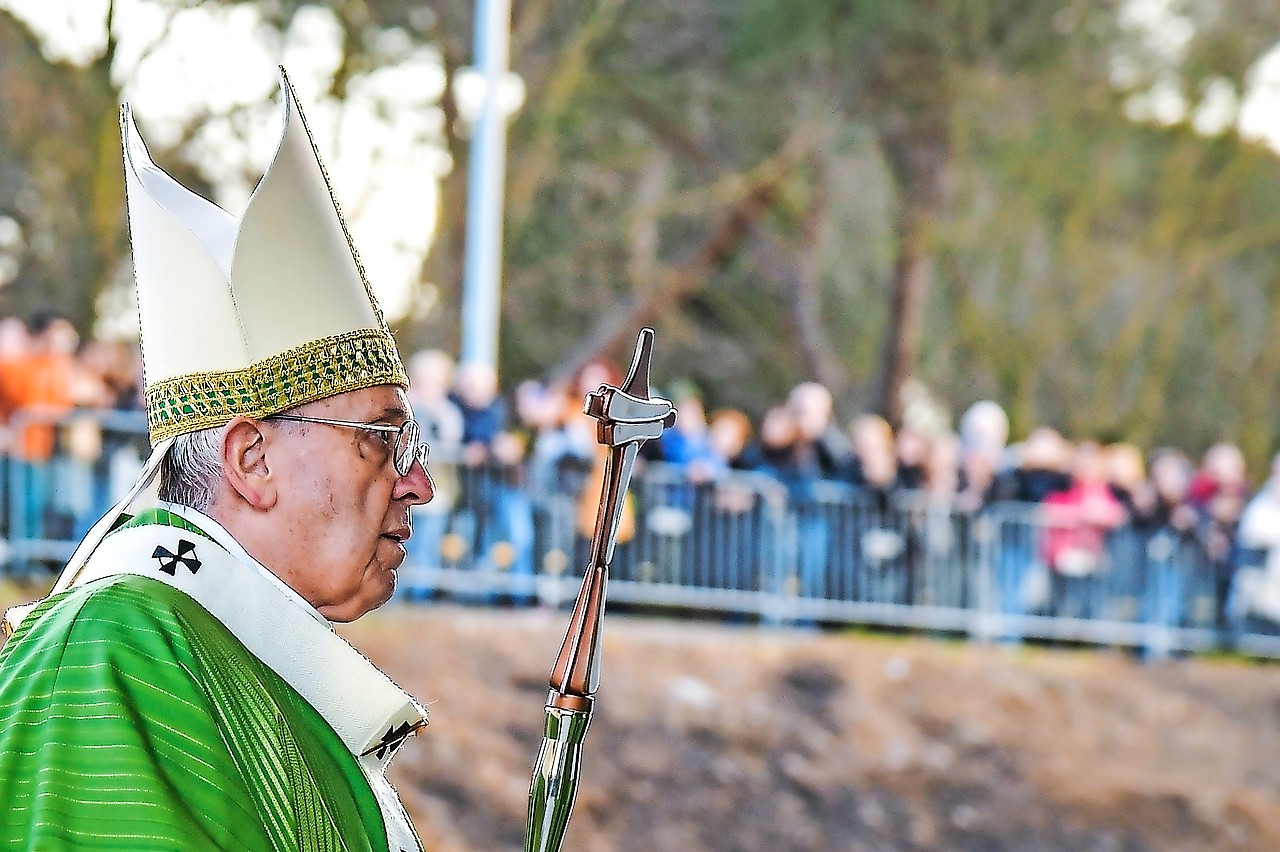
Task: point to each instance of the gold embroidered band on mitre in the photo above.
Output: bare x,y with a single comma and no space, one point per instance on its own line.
315,370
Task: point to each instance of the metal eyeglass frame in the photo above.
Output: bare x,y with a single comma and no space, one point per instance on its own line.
408,435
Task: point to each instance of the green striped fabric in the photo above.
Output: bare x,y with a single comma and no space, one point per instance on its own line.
131,719
164,518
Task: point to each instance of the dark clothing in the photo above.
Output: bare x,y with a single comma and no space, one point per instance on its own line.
1159,517
482,425
1029,485
911,477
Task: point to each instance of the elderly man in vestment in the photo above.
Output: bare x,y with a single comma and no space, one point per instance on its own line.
182,688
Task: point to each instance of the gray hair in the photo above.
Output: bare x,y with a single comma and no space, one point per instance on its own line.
190,472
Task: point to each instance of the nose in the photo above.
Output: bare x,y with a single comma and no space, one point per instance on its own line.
415,487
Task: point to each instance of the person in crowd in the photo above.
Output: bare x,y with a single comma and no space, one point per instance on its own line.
484,411
1042,461
798,448
1023,586
729,437
108,375
1256,592
877,557
688,444
1126,554
939,537
102,438
1218,492
679,496
84,444
820,450
1162,501
1126,477
562,450
984,430
1126,473
782,487
431,377
563,439
771,452
114,371
15,346
1164,525
41,393
874,469
440,420
1078,520
589,379
183,687
492,481
943,472
15,349
977,479
730,510
539,415
819,453
913,446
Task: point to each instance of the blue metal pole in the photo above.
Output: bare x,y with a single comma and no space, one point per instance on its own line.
486,175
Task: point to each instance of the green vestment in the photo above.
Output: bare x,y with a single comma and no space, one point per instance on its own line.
132,719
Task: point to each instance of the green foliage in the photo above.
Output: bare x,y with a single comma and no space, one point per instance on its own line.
1109,277
59,177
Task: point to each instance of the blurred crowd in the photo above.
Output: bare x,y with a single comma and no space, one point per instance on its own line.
1085,491
60,469
527,468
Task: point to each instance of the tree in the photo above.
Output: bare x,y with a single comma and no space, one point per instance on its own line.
59,177
976,193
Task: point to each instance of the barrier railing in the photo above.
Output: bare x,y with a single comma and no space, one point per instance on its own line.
737,544
62,471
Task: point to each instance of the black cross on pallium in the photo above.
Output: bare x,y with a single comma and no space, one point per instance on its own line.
393,738
169,561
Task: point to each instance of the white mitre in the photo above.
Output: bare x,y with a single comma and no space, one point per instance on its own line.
249,317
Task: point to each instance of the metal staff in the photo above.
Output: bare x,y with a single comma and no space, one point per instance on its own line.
626,417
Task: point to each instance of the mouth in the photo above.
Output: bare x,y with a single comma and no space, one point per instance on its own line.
398,537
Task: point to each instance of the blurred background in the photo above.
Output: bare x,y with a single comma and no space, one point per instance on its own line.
968,308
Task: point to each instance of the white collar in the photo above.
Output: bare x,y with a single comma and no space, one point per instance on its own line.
218,533
364,707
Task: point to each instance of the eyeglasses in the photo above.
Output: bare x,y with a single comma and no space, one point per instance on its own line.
408,444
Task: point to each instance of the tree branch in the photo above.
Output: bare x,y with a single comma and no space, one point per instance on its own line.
763,188
798,279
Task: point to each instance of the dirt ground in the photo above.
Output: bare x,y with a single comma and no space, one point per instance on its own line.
738,738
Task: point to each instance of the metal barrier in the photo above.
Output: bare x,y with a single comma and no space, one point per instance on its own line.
1050,579
738,544
62,472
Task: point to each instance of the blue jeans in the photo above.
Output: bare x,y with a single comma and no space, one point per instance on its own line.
423,560
31,487
1164,607
813,537
1013,568
510,521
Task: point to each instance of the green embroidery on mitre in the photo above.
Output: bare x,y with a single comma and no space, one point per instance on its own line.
306,373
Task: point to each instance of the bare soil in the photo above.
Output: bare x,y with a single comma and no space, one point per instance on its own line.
723,738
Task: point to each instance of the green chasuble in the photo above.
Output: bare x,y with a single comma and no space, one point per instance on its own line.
133,719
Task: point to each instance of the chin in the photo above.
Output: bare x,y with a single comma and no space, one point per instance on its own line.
375,592
391,590
384,592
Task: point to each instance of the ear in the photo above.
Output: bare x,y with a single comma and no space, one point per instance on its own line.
244,463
